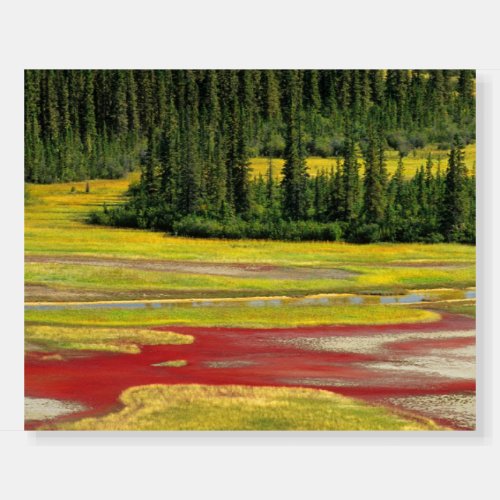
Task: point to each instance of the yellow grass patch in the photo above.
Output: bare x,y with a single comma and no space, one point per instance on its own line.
412,162
175,363
100,339
232,407
237,315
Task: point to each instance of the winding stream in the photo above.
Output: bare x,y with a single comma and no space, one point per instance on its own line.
413,297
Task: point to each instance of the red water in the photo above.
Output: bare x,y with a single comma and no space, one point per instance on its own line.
257,357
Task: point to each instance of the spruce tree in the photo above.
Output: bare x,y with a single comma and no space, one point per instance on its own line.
88,116
455,208
375,180
149,178
51,111
33,145
170,158
398,186
132,111
377,86
350,201
237,164
336,193
189,140
465,100
119,104
321,196
216,184
295,174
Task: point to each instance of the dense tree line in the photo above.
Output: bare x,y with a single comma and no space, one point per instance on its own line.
96,123
193,132
436,205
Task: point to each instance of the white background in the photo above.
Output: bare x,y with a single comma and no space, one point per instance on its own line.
251,34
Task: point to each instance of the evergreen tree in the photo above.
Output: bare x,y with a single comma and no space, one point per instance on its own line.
377,86
189,192
398,187
51,112
436,96
294,170
431,212
337,194
149,178
375,180
350,201
321,193
33,146
170,158
466,97
313,100
119,116
237,163
132,111
455,208
88,118
145,99
213,146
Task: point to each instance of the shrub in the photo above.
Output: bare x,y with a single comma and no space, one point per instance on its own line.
337,144
235,228
198,227
322,146
399,142
417,140
434,238
367,233
119,216
275,147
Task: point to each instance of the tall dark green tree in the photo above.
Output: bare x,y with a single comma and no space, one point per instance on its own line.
295,200
351,188
132,110
119,111
190,167
465,100
237,163
170,158
213,152
455,208
398,186
375,180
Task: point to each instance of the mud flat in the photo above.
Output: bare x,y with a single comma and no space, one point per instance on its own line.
193,267
40,409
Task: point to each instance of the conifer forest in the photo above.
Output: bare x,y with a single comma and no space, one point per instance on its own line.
192,134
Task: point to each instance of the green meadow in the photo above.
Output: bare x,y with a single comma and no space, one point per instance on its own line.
237,315
55,227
